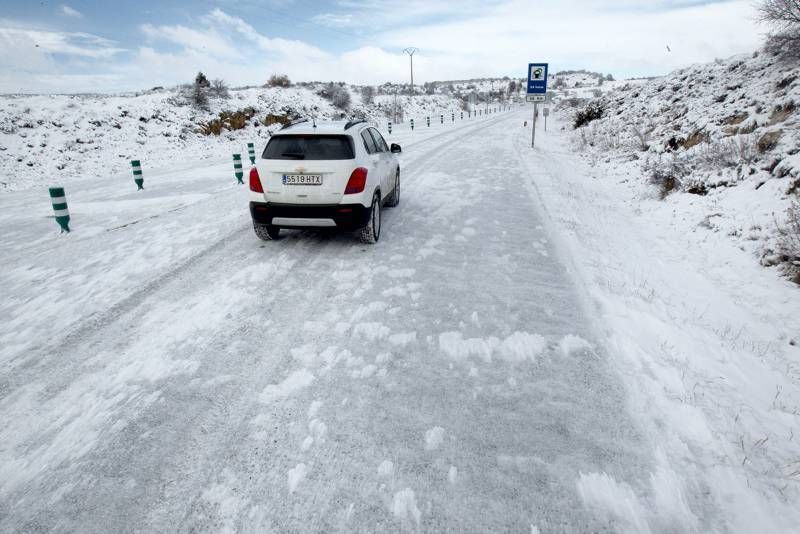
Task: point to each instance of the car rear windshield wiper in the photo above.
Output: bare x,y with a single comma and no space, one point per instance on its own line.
293,155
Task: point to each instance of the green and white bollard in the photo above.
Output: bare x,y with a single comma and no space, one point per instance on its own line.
390,127
237,168
59,201
137,174
428,118
412,125
251,151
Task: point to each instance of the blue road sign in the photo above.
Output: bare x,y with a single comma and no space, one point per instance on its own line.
537,78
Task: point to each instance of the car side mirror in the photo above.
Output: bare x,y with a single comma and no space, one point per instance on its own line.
396,148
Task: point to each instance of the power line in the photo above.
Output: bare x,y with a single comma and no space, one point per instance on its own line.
411,50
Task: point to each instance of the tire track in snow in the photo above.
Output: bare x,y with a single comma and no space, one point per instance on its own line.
112,332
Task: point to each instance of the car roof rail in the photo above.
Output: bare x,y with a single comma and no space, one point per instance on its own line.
350,124
293,123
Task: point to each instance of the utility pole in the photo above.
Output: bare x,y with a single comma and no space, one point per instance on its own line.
411,51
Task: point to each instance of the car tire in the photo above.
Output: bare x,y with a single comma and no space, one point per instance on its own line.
372,231
266,232
394,199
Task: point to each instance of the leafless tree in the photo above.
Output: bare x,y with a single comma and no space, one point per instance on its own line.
367,94
783,16
219,88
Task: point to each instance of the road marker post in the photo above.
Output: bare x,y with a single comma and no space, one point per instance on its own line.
453,116
237,168
462,115
412,125
138,177
251,152
428,118
59,201
441,118
390,127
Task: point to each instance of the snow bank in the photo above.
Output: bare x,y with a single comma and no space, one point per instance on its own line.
59,138
726,133
705,339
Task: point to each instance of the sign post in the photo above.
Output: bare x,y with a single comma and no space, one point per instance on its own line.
537,91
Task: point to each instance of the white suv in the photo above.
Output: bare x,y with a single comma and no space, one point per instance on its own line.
314,175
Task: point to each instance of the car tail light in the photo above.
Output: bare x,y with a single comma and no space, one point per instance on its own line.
255,181
357,181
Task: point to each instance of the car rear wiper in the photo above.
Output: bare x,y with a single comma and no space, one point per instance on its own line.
293,155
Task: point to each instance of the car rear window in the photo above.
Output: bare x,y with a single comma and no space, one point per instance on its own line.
307,147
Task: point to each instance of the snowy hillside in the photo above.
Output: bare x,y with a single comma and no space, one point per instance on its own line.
722,137
65,137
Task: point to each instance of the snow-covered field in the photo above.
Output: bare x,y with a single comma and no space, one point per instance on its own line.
537,343
723,136
704,338
51,139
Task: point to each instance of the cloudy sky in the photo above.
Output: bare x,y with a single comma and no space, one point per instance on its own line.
106,46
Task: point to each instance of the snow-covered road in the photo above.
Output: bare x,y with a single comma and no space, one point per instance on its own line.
177,374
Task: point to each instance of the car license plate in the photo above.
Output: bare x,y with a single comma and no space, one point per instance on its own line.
302,179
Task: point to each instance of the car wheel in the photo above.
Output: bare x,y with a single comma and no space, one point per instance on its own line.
266,232
372,231
394,200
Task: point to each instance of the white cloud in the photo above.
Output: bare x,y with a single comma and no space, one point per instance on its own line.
71,12
496,37
334,20
26,41
587,35
204,41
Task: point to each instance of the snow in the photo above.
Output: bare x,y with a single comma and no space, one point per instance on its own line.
296,475
292,383
386,469
404,506
705,125
571,344
605,495
67,138
584,357
701,333
434,438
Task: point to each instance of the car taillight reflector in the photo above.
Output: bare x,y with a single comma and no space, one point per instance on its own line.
357,181
255,181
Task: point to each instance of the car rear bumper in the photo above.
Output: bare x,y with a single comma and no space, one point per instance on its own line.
342,216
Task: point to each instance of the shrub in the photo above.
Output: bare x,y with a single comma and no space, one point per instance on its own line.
768,141
728,152
212,127
271,119
219,89
590,113
781,113
199,96
196,93
642,134
338,95
783,16
697,137
279,80
228,120
789,241
667,175
201,81
367,94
